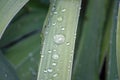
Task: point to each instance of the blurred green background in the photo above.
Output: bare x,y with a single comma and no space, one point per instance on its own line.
21,43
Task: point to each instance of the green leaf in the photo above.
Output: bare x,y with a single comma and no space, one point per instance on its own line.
26,24
7,72
59,39
86,64
8,9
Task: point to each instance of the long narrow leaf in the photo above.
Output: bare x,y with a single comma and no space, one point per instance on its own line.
8,9
57,52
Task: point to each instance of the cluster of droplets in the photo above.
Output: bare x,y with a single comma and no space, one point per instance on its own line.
58,39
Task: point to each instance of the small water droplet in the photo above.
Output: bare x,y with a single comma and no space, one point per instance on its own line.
59,19
55,56
68,44
42,56
45,71
53,24
46,32
62,29
59,39
54,64
30,54
55,12
6,75
63,10
55,75
49,70
54,50
49,51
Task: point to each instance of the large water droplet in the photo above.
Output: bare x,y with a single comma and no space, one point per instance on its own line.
55,56
59,38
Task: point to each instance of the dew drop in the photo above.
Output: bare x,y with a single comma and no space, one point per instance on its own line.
49,70
59,39
68,44
45,71
54,64
55,75
63,10
46,32
55,12
59,19
53,24
55,56
63,29
49,51
54,50
42,56
30,54
6,75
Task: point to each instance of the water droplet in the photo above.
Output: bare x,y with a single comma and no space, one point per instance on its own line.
49,51
55,12
59,19
54,50
68,44
63,10
55,56
6,75
30,54
42,56
55,75
63,29
53,24
49,70
46,32
59,39
54,64
45,71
